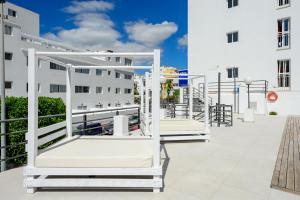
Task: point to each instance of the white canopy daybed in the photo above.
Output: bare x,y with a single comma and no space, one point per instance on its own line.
89,161
178,129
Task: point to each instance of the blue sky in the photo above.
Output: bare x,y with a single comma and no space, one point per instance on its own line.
137,25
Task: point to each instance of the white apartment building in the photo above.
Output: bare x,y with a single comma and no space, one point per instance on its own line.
93,88
257,39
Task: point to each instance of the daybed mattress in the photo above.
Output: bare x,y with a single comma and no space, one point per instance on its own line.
178,126
98,153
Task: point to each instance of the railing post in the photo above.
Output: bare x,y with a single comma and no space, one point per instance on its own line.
84,123
147,101
69,101
191,99
206,108
139,118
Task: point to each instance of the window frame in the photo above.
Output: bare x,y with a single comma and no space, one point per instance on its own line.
80,89
284,4
97,72
101,90
12,12
232,3
82,71
284,77
284,36
8,27
8,53
54,66
231,35
118,90
59,88
234,72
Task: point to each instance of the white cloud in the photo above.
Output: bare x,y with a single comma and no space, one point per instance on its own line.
150,34
95,30
89,6
183,41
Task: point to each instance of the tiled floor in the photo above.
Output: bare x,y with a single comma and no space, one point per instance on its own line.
237,164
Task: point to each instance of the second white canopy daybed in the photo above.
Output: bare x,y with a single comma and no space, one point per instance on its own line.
89,161
177,129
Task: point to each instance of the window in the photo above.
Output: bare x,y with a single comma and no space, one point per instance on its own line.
117,104
118,59
127,91
128,76
54,88
12,12
108,89
118,75
284,73
8,84
82,89
108,73
82,71
127,62
99,90
108,58
283,29
54,66
118,91
233,72
82,107
282,3
232,3
108,105
8,56
99,105
232,37
98,72
8,30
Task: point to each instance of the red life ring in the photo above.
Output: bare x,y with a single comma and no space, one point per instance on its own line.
272,96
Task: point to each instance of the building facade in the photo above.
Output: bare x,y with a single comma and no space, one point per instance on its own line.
93,89
257,39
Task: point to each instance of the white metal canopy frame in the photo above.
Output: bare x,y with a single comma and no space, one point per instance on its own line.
176,129
59,176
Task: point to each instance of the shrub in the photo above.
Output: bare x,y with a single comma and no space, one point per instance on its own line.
272,113
16,107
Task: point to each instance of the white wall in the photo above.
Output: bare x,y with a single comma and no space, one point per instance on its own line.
256,53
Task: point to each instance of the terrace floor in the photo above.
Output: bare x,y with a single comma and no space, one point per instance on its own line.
237,164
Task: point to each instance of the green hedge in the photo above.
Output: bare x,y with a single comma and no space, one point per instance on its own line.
16,107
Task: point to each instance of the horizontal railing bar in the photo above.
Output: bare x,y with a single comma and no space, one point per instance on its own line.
12,145
14,157
104,54
112,67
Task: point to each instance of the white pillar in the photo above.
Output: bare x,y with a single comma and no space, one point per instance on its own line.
156,114
206,111
156,108
142,95
147,102
32,140
191,97
69,101
32,108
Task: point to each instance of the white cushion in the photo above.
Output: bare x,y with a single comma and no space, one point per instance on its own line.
178,126
99,153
